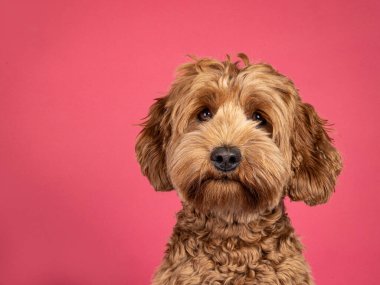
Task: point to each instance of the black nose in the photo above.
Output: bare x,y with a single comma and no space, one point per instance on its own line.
226,158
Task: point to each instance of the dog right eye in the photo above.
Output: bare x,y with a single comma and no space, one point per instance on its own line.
205,115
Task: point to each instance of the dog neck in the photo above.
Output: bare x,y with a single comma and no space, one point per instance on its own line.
226,225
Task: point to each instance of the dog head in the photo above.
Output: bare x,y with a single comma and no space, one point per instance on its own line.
236,139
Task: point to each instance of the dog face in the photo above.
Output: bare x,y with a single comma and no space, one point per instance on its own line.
236,139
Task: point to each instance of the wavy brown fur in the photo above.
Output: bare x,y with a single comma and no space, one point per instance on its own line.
233,228
205,249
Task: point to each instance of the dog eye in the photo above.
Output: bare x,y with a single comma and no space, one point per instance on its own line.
258,117
204,115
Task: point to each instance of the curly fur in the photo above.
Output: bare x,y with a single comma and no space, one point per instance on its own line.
233,228
210,250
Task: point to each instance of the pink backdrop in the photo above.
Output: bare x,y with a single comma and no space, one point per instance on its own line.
77,76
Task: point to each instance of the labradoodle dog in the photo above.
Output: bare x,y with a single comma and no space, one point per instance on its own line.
234,140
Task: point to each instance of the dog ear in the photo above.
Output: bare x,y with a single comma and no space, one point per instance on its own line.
151,145
315,162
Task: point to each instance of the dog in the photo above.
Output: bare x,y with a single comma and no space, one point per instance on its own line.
234,139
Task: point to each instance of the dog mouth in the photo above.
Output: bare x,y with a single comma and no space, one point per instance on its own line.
223,179
224,191
228,182
212,180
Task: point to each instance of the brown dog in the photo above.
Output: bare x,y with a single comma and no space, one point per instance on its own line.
234,141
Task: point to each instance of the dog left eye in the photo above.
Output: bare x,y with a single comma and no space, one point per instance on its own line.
204,115
258,117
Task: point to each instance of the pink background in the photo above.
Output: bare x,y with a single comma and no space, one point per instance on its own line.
76,77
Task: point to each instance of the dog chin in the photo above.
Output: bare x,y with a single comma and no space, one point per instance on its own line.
222,194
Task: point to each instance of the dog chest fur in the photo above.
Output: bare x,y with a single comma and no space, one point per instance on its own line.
209,250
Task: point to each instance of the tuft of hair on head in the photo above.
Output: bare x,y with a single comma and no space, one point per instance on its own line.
192,57
244,58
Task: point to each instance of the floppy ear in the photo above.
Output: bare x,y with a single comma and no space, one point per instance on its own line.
315,162
151,145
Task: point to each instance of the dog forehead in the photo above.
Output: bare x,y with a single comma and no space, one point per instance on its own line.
255,87
203,92
231,85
